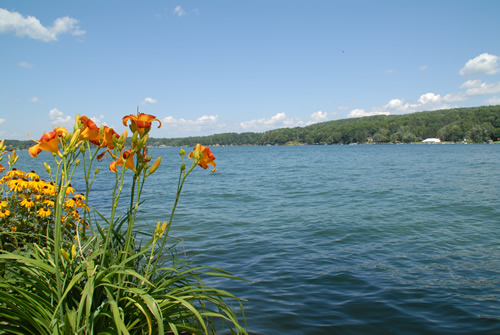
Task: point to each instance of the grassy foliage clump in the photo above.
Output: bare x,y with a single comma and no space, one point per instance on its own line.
68,270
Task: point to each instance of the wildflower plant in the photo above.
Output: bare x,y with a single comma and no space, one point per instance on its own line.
84,272
27,208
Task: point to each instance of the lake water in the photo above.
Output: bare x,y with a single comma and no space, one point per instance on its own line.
366,239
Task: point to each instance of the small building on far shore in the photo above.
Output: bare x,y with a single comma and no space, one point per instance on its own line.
431,140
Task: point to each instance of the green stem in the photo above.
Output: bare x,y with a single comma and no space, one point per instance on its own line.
180,184
116,196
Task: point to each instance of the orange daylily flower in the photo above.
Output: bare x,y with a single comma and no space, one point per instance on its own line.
127,158
107,139
48,142
207,157
90,131
2,169
140,122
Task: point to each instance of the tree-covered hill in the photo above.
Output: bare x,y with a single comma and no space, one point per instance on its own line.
475,124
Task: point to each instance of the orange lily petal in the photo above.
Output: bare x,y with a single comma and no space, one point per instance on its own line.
90,131
48,142
129,162
206,159
140,122
107,140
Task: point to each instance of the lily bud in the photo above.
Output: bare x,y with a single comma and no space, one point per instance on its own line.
73,251
77,122
123,137
182,152
47,167
154,167
13,158
65,255
158,230
76,136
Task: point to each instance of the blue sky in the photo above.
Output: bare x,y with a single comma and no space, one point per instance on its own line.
206,67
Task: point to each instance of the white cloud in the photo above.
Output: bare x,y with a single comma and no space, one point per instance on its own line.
481,88
455,97
277,121
427,101
35,100
471,83
192,125
25,65
319,116
30,26
2,121
57,117
179,11
483,64
429,98
493,101
148,101
394,106
362,112
423,68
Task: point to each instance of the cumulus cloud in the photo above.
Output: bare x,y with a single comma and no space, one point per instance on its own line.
58,117
316,117
362,112
477,87
35,100
394,106
455,97
429,98
319,116
277,121
30,26
179,11
193,125
493,101
427,101
149,100
484,64
25,65
2,121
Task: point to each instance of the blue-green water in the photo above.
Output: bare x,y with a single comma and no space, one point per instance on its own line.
400,239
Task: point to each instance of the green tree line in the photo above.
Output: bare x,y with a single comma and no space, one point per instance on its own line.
473,124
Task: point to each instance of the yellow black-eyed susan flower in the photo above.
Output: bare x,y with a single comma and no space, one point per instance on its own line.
4,212
32,175
27,203
15,173
44,212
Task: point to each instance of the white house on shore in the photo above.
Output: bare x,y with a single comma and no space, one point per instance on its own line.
431,140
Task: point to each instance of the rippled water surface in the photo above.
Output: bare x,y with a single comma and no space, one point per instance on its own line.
400,239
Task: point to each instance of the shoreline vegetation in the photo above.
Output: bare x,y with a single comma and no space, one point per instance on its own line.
68,268
458,125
